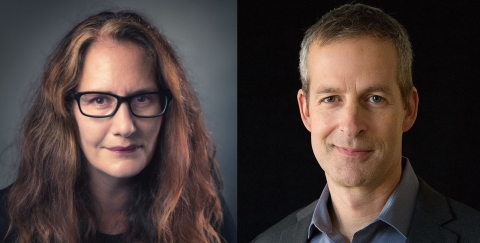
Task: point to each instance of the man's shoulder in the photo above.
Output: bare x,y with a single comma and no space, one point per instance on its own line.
445,209
439,218
294,226
465,218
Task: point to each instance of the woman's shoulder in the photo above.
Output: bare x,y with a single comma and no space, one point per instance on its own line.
3,202
229,228
3,211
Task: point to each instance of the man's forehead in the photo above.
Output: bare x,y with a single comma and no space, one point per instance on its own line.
345,41
380,87
324,41
375,50
363,64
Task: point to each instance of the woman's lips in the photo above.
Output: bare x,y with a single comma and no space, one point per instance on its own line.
124,150
353,152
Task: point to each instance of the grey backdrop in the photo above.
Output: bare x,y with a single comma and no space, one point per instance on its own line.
204,34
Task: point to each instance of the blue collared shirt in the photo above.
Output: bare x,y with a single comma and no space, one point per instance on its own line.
391,225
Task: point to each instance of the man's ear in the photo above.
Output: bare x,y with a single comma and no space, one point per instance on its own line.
411,109
304,112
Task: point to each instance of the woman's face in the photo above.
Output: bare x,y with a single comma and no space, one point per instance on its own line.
122,145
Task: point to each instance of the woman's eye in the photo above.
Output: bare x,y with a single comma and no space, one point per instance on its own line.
376,99
141,98
99,100
330,99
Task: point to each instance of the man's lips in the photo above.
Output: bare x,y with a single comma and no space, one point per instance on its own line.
353,152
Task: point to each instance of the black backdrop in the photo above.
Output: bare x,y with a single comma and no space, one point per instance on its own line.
278,173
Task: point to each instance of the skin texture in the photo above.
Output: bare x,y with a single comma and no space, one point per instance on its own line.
120,68
356,117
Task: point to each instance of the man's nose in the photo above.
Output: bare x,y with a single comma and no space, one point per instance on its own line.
123,123
352,119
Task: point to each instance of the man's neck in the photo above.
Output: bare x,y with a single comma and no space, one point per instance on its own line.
352,208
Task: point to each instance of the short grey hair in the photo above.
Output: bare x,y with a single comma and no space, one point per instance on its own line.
352,21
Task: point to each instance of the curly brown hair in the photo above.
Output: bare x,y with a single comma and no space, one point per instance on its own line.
174,199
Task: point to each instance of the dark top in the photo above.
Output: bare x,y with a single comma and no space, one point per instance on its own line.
435,219
228,230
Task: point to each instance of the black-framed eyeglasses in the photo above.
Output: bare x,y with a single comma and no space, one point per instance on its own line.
101,104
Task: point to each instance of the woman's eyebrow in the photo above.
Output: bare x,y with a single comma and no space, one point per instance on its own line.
130,93
140,91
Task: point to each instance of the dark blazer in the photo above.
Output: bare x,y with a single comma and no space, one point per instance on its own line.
435,219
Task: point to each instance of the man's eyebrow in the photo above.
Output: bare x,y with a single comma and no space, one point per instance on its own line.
326,90
371,89
378,88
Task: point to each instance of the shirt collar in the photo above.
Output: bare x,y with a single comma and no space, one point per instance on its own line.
397,211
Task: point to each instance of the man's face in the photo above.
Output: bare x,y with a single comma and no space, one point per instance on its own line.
355,112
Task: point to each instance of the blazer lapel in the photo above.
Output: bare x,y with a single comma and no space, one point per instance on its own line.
299,231
431,212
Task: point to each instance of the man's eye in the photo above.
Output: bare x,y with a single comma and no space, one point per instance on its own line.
375,99
330,99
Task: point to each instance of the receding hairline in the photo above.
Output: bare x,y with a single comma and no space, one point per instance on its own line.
320,43
354,20
324,41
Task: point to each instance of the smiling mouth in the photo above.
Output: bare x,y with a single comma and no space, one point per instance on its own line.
353,152
124,150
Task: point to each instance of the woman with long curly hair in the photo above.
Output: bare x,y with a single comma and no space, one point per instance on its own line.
113,147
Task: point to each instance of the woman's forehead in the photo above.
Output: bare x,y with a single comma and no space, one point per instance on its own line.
119,67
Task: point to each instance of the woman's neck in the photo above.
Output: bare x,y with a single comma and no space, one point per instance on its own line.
110,197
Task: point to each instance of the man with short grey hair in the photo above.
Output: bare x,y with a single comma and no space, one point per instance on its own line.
357,100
